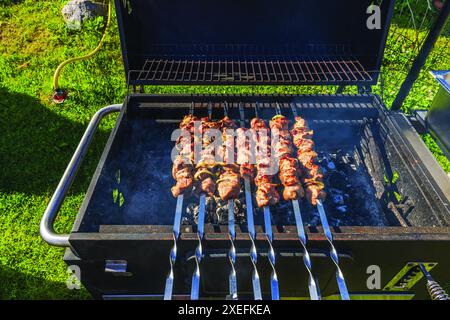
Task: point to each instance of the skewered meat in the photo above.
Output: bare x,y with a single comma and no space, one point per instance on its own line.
229,182
206,166
312,176
182,169
266,194
244,159
229,179
288,165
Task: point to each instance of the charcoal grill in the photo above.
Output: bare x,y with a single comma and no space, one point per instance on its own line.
388,208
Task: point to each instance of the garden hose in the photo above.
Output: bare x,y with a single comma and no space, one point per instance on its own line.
60,95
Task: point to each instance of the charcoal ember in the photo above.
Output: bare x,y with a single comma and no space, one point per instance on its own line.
240,210
191,214
338,180
337,196
283,214
221,211
335,222
193,209
331,165
314,221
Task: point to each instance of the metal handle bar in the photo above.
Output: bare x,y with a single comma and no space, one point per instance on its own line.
47,231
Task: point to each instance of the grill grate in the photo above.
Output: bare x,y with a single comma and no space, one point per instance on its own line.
260,71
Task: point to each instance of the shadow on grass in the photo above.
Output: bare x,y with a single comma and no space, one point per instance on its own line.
36,145
12,284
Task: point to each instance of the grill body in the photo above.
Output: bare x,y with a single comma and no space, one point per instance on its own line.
136,164
252,42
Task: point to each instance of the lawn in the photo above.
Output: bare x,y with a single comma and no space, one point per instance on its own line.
38,138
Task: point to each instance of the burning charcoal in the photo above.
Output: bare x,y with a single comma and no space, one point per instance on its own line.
335,222
210,206
336,191
191,214
338,199
331,165
347,159
221,211
338,180
314,221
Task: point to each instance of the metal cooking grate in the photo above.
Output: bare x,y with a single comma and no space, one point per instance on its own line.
261,71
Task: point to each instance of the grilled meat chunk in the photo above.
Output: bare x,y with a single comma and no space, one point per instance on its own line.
288,165
266,193
312,176
182,169
229,179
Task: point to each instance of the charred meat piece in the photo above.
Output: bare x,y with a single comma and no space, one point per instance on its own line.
205,174
266,193
312,176
229,182
229,178
244,145
182,169
288,165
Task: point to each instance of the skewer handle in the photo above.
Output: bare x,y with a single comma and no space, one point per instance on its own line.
313,289
232,253
251,230
272,259
195,287
333,253
173,252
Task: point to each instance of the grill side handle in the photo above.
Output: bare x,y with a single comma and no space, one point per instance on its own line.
46,228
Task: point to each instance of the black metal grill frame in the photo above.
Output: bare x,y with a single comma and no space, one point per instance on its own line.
141,244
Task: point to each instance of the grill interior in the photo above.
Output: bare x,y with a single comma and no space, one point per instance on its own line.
282,70
134,184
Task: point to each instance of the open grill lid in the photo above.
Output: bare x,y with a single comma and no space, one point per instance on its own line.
252,41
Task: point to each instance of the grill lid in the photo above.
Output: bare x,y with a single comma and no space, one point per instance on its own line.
252,41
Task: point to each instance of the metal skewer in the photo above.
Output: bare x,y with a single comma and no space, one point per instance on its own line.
313,290
333,253
173,252
251,226
195,285
232,253
176,234
271,254
232,279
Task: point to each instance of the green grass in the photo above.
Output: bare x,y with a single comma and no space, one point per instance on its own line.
38,138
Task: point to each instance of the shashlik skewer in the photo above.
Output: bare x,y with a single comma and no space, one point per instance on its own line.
205,179
247,172
266,193
289,177
313,183
229,188
182,171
